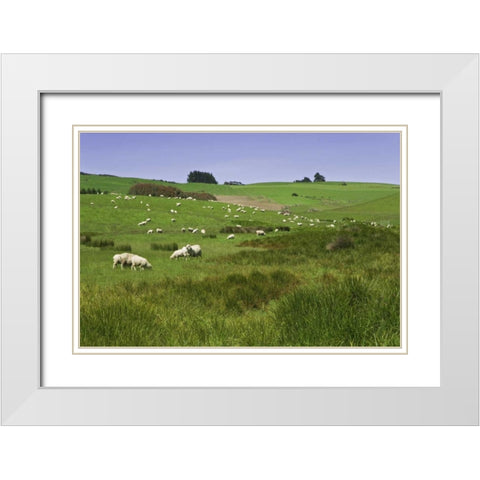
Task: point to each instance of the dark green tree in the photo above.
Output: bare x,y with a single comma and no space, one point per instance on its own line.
200,177
318,178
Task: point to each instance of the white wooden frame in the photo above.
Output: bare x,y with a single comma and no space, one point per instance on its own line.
25,77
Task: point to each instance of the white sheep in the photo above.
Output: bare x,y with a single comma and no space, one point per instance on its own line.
122,258
142,223
159,230
173,220
231,237
184,229
148,220
141,262
195,230
182,252
194,250
260,232
178,204
190,229
150,231
202,231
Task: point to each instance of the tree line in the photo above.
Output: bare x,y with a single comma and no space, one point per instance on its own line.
316,178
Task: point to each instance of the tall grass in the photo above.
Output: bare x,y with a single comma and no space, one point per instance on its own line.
341,313
182,312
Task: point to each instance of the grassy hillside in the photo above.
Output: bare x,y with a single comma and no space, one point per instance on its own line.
330,200
327,277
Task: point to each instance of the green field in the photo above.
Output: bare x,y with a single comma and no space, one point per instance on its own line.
312,284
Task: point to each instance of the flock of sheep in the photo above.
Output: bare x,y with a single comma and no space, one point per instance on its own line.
136,261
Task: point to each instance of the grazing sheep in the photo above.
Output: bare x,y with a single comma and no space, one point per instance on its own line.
141,224
122,258
150,231
184,229
190,229
141,262
195,230
231,237
148,220
276,230
260,232
159,230
194,250
202,231
182,252
173,220
116,206
178,204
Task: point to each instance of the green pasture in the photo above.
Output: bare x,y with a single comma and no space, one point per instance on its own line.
314,285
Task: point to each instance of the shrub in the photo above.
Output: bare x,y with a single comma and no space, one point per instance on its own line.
164,246
235,229
84,239
124,248
102,243
156,190
340,242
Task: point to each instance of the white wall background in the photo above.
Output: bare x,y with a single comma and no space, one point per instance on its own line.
206,26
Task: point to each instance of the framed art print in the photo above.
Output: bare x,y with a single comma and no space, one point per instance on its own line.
200,245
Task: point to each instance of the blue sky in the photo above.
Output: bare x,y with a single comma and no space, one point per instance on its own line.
244,157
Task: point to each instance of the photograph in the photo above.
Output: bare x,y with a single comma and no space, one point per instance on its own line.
240,238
